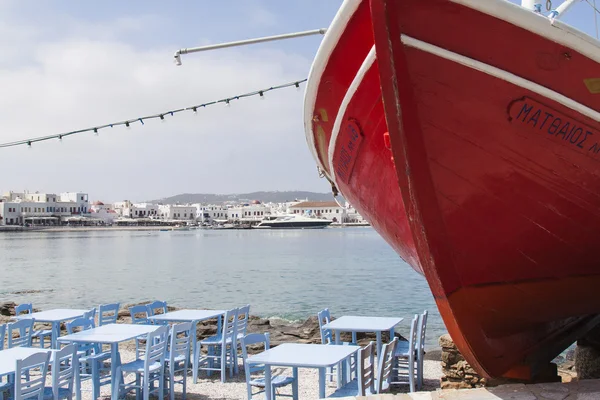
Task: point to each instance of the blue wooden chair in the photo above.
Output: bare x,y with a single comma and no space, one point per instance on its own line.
30,377
90,357
24,328
324,318
41,334
4,386
405,365
91,315
108,314
64,364
148,371
178,357
221,349
277,381
421,348
242,328
139,316
364,384
155,308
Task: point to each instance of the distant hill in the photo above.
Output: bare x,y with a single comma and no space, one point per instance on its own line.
265,197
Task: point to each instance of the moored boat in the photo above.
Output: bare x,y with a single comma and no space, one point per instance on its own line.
468,133
292,221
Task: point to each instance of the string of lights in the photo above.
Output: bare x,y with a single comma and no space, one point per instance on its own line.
141,120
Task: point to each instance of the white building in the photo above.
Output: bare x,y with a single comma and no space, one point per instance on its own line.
323,209
17,208
248,212
104,212
142,210
211,212
177,212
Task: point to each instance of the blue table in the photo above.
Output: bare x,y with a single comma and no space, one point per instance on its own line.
297,355
363,324
55,317
111,334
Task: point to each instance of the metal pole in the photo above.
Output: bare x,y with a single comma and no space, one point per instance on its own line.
178,53
532,5
562,9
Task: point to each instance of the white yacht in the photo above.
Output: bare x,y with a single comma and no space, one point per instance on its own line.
292,221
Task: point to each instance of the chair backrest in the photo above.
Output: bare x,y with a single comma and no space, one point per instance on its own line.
326,334
156,347
24,328
83,324
2,334
25,308
366,370
64,365
108,314
229,326
157,307
385,365
30,376
181,335
421,337
139,315
91,315
242,322
250,340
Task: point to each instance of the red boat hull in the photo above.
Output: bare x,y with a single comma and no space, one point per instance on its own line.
472,145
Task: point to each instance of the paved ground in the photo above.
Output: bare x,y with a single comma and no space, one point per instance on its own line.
578,390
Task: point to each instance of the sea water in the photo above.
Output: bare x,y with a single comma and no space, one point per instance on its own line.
289,274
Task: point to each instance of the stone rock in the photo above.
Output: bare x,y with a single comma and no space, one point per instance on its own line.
8,308
587,362
446,342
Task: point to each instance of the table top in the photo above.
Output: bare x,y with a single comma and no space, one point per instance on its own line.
9,357
303,355
363,324
187,315
60,314
111,333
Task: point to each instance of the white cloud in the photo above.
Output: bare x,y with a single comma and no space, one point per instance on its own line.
90,78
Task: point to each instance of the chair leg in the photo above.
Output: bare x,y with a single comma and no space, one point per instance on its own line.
146,390
172,384
161,385
138,393
96,380
223,363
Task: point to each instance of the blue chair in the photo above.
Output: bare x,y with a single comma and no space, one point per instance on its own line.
139,316
4,386
64,365
108,314
25,330
405,363
221,349
91,315
42,334
242,328
324,318
365,382
178,357
148,371
90,357
30,376
2,334
276,381
421,348
155,308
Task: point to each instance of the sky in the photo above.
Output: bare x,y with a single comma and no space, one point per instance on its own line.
69,65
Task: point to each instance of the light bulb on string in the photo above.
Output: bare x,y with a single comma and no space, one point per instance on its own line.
227,103
95,131
29,144
195,110
162,118
262,95
127,125
60,138
297,84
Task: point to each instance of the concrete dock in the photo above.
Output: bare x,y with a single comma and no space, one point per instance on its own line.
577,390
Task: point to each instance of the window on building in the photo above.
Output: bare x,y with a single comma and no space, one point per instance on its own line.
337,211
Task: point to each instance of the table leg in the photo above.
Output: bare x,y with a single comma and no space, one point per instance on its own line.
113,368
378,334
295,383
77,372
322,382
268,386
338,341
55,334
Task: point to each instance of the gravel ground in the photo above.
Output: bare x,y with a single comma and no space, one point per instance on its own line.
211,388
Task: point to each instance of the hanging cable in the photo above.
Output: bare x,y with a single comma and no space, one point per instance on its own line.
596,20
161,116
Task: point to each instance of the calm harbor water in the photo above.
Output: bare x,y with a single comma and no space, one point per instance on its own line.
290,274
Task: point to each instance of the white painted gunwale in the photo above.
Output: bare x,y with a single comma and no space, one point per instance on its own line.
556,31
